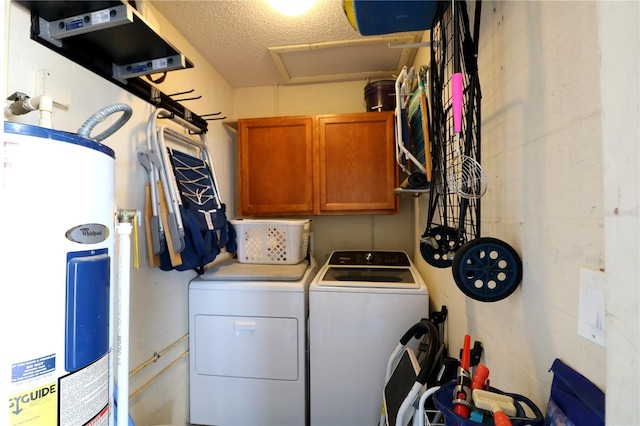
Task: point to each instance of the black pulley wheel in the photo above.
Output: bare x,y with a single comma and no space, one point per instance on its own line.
438,246
487,269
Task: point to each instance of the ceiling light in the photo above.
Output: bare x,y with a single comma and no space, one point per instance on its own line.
291,7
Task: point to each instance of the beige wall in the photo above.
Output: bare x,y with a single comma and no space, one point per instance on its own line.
541,148
268,101
366,232
544,141
553,75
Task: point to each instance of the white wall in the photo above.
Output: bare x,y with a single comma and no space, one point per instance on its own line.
619,41
158,299
545,110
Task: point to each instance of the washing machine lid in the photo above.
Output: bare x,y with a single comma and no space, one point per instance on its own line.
371,258
369,277
368,269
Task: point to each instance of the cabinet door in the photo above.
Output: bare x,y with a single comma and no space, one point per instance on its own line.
276,165
356,163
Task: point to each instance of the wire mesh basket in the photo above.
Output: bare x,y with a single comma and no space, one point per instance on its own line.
453,217
433,418
527,413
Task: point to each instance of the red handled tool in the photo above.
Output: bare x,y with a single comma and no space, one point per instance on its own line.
462,391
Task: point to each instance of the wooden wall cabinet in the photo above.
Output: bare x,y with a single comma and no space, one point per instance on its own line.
334,164
276,166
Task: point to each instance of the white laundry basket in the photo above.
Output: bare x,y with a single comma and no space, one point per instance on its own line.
281,242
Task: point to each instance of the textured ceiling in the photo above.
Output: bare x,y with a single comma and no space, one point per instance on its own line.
235,35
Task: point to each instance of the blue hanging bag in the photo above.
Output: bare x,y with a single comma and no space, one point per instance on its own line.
574,400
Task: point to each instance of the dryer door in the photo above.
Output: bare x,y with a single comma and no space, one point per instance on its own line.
247,347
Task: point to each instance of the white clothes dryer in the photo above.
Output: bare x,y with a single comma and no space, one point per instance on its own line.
360,305
247,349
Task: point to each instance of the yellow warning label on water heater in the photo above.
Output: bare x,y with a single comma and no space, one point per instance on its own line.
34,407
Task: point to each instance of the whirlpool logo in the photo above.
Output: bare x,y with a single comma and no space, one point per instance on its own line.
89,233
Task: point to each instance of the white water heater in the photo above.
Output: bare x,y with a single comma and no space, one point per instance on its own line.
60,220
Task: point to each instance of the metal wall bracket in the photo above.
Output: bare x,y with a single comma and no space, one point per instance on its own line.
111,39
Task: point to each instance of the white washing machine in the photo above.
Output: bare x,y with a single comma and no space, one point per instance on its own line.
360,305
247,324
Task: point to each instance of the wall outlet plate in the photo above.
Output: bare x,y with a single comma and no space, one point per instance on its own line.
591,309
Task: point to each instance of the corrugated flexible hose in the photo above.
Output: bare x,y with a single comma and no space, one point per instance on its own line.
100,116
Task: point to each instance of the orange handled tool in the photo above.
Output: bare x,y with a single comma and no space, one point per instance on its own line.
480,377
501,419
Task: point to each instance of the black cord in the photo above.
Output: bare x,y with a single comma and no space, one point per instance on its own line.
157,80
